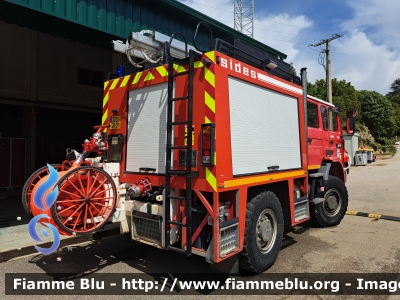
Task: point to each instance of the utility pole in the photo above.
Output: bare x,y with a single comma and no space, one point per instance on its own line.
244,16
327,51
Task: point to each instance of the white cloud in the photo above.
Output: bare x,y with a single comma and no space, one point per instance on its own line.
379,18
367,65
268,29
368,55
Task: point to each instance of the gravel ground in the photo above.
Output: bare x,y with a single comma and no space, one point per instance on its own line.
374,188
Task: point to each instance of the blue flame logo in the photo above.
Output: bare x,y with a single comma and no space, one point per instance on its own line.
38,201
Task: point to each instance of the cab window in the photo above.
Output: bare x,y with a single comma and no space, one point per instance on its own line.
334,123
324,115
312,115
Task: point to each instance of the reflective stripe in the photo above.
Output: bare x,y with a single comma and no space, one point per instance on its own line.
209,76
257,179
162,70
179,68
137,77
198,64
125,81
211,55
114,84
211,179
313,167
104,118
210,102
105,99
149,76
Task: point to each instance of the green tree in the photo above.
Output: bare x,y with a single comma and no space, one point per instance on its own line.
395,87
395,98
396,108
378,113
344,95
318,89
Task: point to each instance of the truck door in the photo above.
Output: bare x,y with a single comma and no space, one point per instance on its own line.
326,151
335,140
315,136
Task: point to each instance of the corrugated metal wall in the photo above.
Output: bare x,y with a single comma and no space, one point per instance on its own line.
121,17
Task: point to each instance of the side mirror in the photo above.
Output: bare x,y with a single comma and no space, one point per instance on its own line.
350,125
351,122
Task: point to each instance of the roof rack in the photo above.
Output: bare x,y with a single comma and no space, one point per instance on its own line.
149,47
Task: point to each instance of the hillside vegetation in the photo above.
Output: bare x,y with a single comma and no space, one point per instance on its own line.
378,121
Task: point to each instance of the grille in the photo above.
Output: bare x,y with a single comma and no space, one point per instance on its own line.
146,226
229,237
301,210
182,158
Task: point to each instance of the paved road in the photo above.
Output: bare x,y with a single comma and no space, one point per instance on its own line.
357,245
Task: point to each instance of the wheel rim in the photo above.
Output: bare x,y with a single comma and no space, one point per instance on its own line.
266,230
333,202
85,201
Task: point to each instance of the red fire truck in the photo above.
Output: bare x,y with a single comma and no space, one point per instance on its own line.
206,152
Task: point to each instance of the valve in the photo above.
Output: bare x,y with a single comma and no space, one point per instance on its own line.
141,188
95,143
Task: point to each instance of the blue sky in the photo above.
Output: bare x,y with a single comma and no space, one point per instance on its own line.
368,54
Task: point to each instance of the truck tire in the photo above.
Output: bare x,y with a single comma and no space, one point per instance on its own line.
263,232
331,211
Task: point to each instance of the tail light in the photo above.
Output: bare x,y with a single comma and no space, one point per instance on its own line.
207,144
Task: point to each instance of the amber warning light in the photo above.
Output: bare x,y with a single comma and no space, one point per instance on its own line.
207,144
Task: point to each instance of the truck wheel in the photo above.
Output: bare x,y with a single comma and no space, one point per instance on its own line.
331,211
263,232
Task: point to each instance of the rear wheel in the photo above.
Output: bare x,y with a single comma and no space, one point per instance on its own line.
263,232
331,211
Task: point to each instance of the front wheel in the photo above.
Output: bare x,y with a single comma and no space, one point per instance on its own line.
263,232
331,211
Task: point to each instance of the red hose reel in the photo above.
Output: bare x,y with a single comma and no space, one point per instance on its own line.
86,196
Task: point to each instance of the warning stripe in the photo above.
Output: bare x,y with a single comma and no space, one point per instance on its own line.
145,76
139,77
209,113
373,216
109,85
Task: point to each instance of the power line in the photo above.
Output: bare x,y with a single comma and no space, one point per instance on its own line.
295,35
311,37
259,37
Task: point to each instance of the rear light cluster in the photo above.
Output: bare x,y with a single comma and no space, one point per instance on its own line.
207,144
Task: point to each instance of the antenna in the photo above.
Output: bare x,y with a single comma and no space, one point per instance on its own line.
244,16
